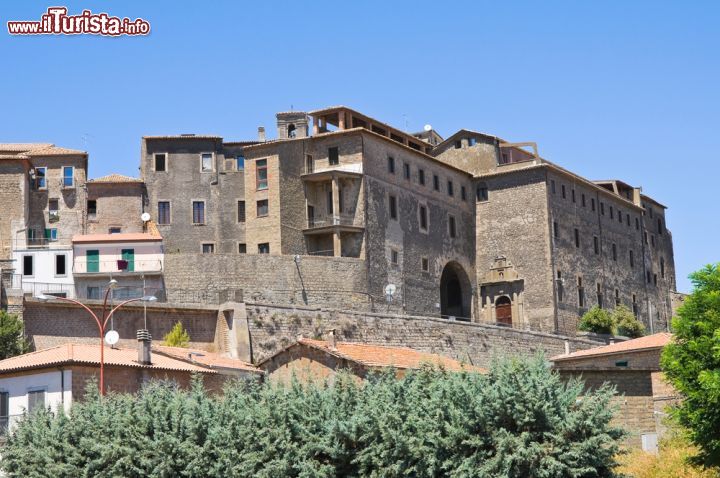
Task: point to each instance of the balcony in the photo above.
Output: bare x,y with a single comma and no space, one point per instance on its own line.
323,224
111,267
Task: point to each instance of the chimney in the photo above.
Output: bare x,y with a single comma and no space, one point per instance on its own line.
331,341
144,345
261,134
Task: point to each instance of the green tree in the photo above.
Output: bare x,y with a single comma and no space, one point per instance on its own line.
692,362
177,337
599,321
12,337
626,322
519,420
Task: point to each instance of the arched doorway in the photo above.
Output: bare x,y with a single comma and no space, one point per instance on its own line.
455,292
503,311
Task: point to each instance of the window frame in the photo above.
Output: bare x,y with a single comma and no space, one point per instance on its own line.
202,163
243,219
452,226
257,208
212,247
165,163
264,244
72,177
423,218
192,212
36,390
44,176
259,168
333,159
32,265
169,213
65,264
392,207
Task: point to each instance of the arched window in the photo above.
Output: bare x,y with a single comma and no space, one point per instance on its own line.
503,311
291,131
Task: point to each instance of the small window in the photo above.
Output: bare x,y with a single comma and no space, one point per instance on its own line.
41,178
592,204
264,248
421,176
51,234
611,213
240,162
53,206
572,194
309,164
68,180
619,216
242,248
206,162
552,186
208,248
262,208
632,259
406,171
637,224
472,142
450,189
648,275
582,200
92,209
600,296
596,244
627,219
660,227
436,182
241,211
458,144
451,226
36,400
333,156
581,293
617,297
562,188
504,158
482,192
391,165
115,230
28,266
652,240
163,212
602,208
577,237
394,256
392,200
662,267
4,411
560,290
423,218
160,165
556,230
635,307
614,252
463,193
198,212
261,174
425,264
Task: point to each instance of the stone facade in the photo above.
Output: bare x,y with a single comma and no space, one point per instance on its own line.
118,205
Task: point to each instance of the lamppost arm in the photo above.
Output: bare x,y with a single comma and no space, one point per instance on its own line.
118,306
76,302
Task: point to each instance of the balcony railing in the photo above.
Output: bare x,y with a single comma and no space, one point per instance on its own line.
334,220
118,266
328,253
29,286
40,242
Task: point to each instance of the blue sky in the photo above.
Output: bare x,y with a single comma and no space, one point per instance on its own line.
610,89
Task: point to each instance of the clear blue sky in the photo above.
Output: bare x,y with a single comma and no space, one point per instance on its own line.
618,89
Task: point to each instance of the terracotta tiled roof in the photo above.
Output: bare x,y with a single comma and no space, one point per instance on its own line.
23,147
649,342
184,136
14,156
208,359
55,151
120,237
115,178
383,356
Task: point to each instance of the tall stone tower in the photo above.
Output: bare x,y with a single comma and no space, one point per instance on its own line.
292,124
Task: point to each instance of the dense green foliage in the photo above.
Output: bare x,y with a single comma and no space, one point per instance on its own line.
692,362
519,420
12,339
620,321
177,337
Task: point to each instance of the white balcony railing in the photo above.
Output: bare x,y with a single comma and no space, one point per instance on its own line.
334,220
118,266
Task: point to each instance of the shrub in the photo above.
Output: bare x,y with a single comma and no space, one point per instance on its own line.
177,337
692,362
12,339
626,322
599,321
519,420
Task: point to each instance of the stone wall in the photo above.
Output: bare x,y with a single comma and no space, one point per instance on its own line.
13,197
118,204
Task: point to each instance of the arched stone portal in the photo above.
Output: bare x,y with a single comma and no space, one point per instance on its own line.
455,292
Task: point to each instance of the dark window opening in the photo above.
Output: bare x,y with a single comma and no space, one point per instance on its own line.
92,209
393,206
333,156
406,170
242,248
421,176
423,218
436,182
450,189
160,163
262,208
60,265
264,248
163,212
451,226
391,165
198,212
463,193
596,244
208,248
241,211
577,238
27,266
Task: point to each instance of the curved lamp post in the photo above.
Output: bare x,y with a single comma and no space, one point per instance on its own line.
101,321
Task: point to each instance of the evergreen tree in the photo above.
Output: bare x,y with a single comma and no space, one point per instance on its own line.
12,338
177,337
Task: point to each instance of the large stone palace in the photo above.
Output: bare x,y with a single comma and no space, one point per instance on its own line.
341,211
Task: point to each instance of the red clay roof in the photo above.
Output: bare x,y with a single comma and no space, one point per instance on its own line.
383,356
54,151
115,178
649,342
23,147
119,237
165,358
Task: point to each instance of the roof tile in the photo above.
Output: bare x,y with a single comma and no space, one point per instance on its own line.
648,342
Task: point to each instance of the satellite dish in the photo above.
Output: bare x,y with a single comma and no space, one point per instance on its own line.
428,127
390,289
145,217
112,337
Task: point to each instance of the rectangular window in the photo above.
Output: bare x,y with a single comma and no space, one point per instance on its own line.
261,174
482,192
60,265
614,252
92,260
160,165
206,162
592,204
36,400
198,212
660,227
617,297
329,201
611,213
582,200
635,306
241,211
632,259
391,165
425,264
309,164
393,206
240,162
596,244
68,179
436,182
649,275
560,291
627,217
450,189
562,188
572,194
619,216
4,411
472,141
406,170
423,218
92,209
662,267
28,269
599,296
458,144
463,193
41,178
552,186
556,230
53,206
242,248
451,226
577,238
581,293
602,208
163,212
394,256
208,248
652,240
51,234
262,208
264,248
637,224
654,279
421,176
333,156
115,230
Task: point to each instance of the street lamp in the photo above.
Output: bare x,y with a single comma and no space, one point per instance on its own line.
101,321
